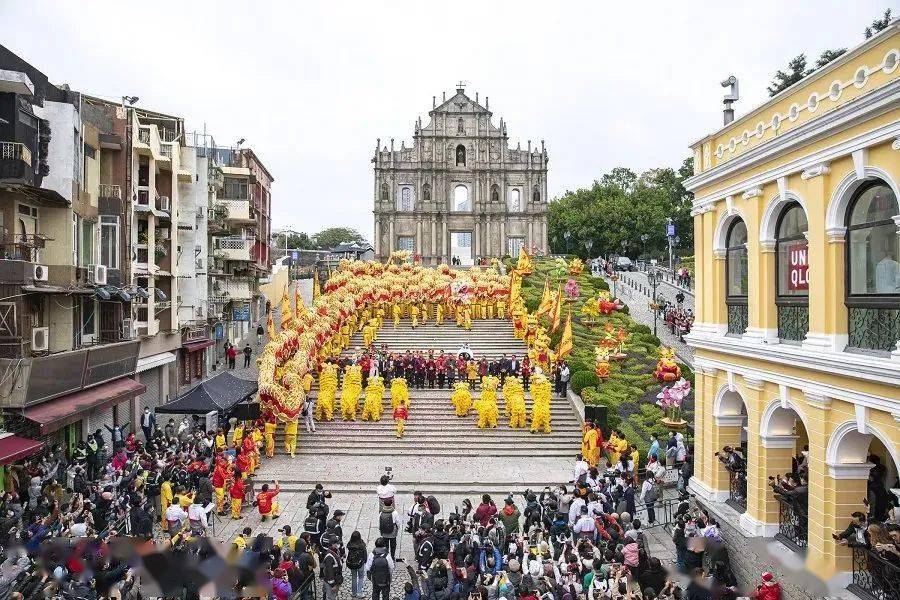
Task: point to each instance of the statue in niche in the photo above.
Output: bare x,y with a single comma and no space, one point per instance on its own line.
460,126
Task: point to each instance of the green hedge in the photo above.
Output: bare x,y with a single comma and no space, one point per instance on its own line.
583,379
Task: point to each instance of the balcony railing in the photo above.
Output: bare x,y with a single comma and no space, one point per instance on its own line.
793,529
22,247
738,318
144,135
237,210
793,322
166,150
110,191
874,328
15,151
874,577
737,491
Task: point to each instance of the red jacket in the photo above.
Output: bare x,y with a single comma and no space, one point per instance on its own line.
484,512
264,500
237,489
769,592
401,412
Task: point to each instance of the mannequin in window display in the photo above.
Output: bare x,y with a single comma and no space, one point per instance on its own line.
887,269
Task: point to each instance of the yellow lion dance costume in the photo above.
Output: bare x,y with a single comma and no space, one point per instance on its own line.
462,398
372,407
327,391
540,409
487,403
399,392
350,392
514,399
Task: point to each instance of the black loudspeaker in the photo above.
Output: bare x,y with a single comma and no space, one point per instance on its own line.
597,414
246,411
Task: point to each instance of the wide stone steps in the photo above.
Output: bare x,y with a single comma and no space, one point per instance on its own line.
436,487
433,429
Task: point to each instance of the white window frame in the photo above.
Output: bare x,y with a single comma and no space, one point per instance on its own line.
401,242
110,222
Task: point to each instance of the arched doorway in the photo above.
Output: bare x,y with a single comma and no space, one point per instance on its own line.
863,463
785,445
730,414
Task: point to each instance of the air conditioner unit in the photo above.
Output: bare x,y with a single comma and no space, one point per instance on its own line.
40,339
127,329
97,274
40,272
164,203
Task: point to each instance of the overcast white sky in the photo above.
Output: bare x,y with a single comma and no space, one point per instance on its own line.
311,85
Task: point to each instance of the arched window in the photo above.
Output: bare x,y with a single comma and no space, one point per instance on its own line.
792,268
461,155
515,200
873,269
460,126
535,195
384,191
736,277
495,193
406,203
461,198
426,193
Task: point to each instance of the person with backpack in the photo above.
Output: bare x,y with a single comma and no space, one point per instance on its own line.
650,495
425,551
380,569
389,525
357,556
441,541
332,568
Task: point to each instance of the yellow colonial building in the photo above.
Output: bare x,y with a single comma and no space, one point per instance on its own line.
797,240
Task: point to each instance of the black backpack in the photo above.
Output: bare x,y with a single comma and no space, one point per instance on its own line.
433,505
427,520
386,524
356,557
379,572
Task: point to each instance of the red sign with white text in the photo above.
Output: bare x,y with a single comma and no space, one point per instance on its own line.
798,267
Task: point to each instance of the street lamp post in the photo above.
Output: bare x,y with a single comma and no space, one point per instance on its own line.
653,277
567,235
589,244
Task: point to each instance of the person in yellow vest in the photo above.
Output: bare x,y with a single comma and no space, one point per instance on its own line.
270,427
237,435
368,336
439,314
472,373
184,499
221,444
287,541
165,497
482,308
414,315
258,439
395,313
467,318
460,314
379,316
307,382
241,541
423,311
490,309
290,437
501,309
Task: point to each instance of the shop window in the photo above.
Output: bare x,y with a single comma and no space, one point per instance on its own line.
792,268
736,277
873,269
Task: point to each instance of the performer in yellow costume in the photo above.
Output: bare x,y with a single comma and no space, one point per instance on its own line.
327,391
467,318
460,314
487,403
501,309
439,314
590,445
414,315
372,407
514,399
350,392
424,312
399,392
461,399
617,446
290,437
368,335
540,404
270,427
396,311
237,435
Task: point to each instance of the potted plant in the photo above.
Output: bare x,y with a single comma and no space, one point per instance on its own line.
670,399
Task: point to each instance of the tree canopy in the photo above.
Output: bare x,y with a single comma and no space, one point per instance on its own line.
623,205
328,238
879,24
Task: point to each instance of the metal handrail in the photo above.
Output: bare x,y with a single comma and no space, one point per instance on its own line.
737,490
793,528
873,576
15,151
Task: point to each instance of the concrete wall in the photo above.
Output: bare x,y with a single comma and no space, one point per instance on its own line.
65,154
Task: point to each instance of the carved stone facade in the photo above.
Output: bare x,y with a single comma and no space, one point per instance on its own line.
460,191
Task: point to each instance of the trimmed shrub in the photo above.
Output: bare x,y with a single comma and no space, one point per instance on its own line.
583,379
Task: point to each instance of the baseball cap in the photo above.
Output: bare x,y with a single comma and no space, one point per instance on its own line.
339,513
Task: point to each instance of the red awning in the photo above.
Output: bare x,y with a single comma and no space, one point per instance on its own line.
197,345
59,412
13,448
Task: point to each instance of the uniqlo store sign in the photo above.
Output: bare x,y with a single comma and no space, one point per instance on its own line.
798,267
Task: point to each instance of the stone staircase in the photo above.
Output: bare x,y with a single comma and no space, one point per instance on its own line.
433,429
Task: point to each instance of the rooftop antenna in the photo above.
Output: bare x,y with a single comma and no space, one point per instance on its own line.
730,98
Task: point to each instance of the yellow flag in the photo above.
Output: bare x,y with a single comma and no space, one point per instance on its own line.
557,309
546,304
514,289
270,326
286,315
299,309
565,342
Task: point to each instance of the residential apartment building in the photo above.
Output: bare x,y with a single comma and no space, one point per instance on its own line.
108,234
240,228
63,294
797,335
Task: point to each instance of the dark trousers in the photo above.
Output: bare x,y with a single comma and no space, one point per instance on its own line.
441,378
392,545
231,363
246,361
651,513
431,382
380,592
147,433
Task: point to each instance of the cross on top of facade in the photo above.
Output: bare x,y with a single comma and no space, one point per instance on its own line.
461,85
